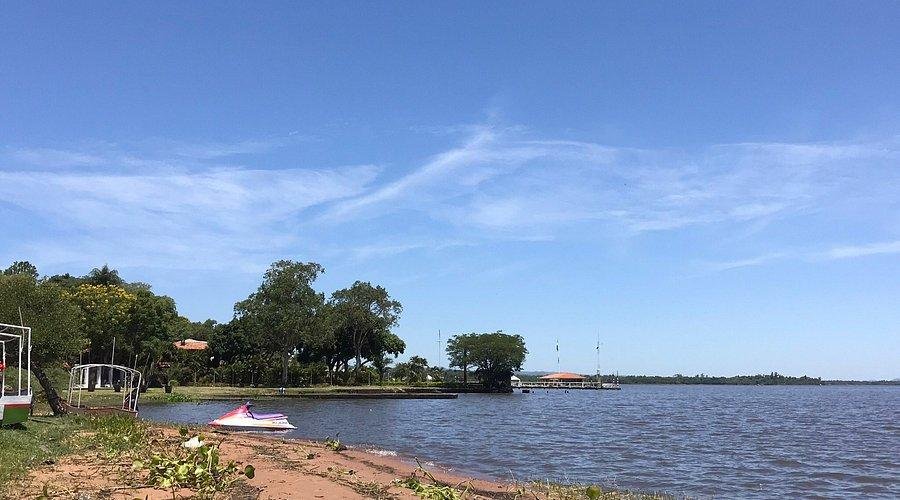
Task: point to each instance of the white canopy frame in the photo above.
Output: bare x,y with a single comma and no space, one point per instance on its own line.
22,339
131,383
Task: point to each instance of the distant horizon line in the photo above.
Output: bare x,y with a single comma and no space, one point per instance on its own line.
706,375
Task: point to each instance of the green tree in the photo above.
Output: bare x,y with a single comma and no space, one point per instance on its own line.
22,267
324,344
413,371
104,276
55,323
495,357
381,365
149,331
366,313
66,281
458,350
284,307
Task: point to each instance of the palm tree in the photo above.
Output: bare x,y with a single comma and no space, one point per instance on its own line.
381,363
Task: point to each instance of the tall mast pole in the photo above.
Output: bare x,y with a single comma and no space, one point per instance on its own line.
557,355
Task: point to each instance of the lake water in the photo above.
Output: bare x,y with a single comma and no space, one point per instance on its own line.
701,441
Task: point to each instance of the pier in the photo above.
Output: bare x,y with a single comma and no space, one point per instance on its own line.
594,385
564,380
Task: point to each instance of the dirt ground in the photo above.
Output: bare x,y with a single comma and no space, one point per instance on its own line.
285,469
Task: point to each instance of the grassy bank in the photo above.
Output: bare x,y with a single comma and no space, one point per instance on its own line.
194,393
42,440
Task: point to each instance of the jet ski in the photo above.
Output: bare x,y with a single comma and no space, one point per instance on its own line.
243,417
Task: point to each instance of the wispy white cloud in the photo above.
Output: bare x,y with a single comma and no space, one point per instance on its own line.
438,167
217,150
498,182
852,251
748,262
835,253
388,249
151,153
177,204
48,157
208,219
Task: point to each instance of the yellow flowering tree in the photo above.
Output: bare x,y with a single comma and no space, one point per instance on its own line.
105,313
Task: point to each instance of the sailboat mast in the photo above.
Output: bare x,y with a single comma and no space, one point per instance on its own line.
557,356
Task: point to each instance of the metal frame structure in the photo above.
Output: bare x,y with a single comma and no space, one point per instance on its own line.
131,384
15,405
7,337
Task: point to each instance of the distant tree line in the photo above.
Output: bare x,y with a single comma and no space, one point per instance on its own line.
773,378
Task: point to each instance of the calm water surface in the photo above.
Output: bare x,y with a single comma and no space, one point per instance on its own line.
702,441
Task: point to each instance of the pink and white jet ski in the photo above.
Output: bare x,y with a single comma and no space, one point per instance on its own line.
243,417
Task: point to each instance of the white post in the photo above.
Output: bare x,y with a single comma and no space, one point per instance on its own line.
112,361
20,365
29,361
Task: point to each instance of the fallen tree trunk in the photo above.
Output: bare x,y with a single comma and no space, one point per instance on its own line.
53,398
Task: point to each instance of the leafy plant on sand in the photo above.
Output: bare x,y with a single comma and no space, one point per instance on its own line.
553,491
195,466
433,489
334,444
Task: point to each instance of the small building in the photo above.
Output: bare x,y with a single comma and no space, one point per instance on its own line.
563,377
191,345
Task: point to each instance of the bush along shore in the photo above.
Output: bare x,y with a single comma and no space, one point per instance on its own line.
116,457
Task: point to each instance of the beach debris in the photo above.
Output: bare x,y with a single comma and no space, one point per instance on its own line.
334,444
193,443
432,489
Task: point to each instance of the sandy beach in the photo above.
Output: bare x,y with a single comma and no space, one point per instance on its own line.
284,469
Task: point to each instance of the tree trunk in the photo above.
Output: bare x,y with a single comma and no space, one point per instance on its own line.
53,398
465,374
357,349
285,356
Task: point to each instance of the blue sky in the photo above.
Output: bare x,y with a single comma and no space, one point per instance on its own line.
711,186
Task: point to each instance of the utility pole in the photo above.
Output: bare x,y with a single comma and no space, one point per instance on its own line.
112,361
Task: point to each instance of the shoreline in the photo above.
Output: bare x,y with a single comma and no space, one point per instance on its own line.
285,468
